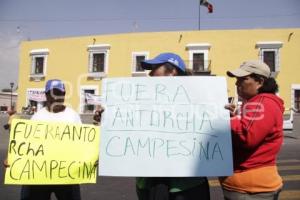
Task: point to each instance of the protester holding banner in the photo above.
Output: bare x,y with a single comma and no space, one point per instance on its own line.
256,133
168,188
55,111
183,188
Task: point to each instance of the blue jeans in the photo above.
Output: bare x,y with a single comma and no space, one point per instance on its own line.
43,192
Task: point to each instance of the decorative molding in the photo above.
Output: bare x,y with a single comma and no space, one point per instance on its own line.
39,52
98,47
96,75
37,77
198,46
269,44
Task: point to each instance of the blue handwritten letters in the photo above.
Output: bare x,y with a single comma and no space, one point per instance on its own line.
165,126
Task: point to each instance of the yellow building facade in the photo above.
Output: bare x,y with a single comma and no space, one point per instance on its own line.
82,62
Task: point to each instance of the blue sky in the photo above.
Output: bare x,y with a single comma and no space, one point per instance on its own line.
41,19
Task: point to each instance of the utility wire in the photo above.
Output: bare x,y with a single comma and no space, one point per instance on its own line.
146,19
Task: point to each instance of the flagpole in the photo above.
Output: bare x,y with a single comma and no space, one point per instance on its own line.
208,5
199,15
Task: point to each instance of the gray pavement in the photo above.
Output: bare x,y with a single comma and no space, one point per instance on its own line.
113,188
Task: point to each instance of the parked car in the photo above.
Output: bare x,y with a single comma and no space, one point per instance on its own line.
288,123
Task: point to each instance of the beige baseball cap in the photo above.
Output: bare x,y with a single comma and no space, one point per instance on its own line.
251,67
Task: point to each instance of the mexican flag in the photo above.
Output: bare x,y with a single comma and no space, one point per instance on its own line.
207,4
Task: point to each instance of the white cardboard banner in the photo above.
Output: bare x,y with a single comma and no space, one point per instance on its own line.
92,99
36,95
165,127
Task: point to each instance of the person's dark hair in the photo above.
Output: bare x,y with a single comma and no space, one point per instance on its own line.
269,85
189,72
169,67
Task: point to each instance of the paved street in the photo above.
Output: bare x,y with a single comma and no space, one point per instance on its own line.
108,188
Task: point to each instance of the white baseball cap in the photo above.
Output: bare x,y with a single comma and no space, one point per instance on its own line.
251,67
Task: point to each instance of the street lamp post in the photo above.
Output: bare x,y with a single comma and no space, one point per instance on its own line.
11,89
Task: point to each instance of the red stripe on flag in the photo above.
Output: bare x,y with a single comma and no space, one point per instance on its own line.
208,5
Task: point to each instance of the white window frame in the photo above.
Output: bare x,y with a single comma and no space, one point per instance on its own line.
133,63
294,87
82,96
198,48
270,46
36,53
39,104
98,49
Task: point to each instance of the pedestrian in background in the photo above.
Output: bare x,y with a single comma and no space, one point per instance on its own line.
12,114
257,135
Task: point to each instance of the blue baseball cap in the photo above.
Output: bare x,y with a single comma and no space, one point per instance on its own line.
55,84
171,58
